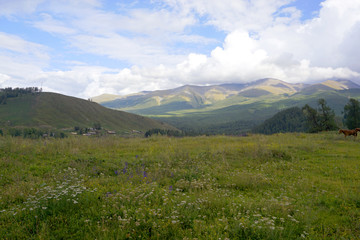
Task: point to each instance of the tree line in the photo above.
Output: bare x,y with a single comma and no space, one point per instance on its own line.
32,133
163,132
312,120
9,92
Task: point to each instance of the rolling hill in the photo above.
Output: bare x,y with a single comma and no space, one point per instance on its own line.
245,105
51,110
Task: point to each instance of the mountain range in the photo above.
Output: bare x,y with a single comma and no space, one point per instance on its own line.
239,105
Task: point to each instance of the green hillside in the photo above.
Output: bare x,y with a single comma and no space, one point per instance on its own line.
251,112
241,106
288,120
53,110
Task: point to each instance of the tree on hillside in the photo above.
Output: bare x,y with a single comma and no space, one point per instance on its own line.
288,120
97,126
322,119
326,115
312,118
352,114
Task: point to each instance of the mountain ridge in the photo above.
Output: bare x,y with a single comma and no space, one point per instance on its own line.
197,107
199,96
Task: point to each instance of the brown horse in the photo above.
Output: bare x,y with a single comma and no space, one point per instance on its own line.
349,132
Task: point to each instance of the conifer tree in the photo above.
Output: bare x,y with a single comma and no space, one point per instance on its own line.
326,116
352,114
322,119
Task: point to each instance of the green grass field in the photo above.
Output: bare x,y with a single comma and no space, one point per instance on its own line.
286,186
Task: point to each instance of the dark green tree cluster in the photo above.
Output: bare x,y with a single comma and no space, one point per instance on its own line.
6,93
288,120
352,114
81,130
15,132
321,119
294,119
166,132
97,126
34,133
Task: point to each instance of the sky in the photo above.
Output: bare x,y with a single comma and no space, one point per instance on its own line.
85,48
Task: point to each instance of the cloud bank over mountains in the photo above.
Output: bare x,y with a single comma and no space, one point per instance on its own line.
88,47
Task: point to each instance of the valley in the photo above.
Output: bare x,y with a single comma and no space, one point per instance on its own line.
241,106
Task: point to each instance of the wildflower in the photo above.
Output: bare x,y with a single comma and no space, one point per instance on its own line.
124,169
170,188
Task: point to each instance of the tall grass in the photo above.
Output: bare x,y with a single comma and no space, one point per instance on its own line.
286,186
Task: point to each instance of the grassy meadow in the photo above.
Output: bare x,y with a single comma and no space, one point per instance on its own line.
285,186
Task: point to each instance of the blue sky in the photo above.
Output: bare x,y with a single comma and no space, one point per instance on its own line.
85,48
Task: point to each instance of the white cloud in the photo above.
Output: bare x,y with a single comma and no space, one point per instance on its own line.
16,44
320,39
51,25
16,7
231,15
21,60
138,36
241,59
265,38
3,78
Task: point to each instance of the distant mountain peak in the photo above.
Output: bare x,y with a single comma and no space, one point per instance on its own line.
274,86
187,97
340,84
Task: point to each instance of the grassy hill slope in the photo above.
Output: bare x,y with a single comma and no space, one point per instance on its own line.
245,105
254,111
60,111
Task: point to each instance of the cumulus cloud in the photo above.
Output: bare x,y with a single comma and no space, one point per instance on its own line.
21,60
264,38
3,78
